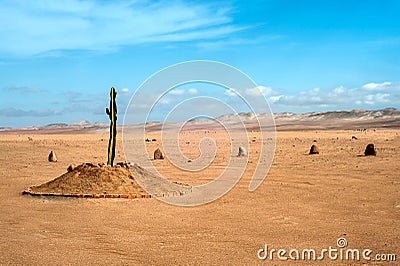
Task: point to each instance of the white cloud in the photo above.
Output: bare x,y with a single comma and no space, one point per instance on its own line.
376,86
35,27
274,99
259,90
179,92
230,92
372,99
371,95
176,92
192,91
124,91
316,99
339,90
165,100
382,97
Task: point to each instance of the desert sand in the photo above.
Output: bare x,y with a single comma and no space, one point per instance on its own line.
306,201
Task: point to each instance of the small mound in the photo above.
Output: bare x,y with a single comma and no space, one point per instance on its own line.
52,157
242,151
103,181
370,150
314,150
158,154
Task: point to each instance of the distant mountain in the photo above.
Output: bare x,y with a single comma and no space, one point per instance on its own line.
77,124
348,119
82,123
82,126
57,125
352,115
318,116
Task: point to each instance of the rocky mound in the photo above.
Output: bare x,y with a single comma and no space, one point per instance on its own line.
103,181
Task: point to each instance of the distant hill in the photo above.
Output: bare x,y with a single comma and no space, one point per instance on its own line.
339,120
347,115
82,126
348,119
354,119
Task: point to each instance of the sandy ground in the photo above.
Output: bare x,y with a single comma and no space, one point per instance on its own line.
305,202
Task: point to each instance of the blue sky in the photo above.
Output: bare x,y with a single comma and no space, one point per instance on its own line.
58,59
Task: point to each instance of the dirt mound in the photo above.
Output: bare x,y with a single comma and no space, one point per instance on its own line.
370,150
158,155
314,150
103,181
52,157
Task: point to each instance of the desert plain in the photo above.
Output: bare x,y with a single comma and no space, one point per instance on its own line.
305,202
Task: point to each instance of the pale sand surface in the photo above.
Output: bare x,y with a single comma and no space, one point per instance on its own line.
305,202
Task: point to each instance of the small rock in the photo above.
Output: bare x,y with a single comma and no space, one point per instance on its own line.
52,157
354,137
370,150
122,164
158,155
242,151
70,168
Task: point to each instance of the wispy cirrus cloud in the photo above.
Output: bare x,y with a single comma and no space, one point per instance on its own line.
34,27
23,89
14,112
213,45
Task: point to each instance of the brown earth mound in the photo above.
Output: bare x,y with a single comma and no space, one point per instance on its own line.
314,150
158,154
52,157
370,150
103,181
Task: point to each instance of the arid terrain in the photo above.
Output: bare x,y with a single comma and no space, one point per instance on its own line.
306,201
